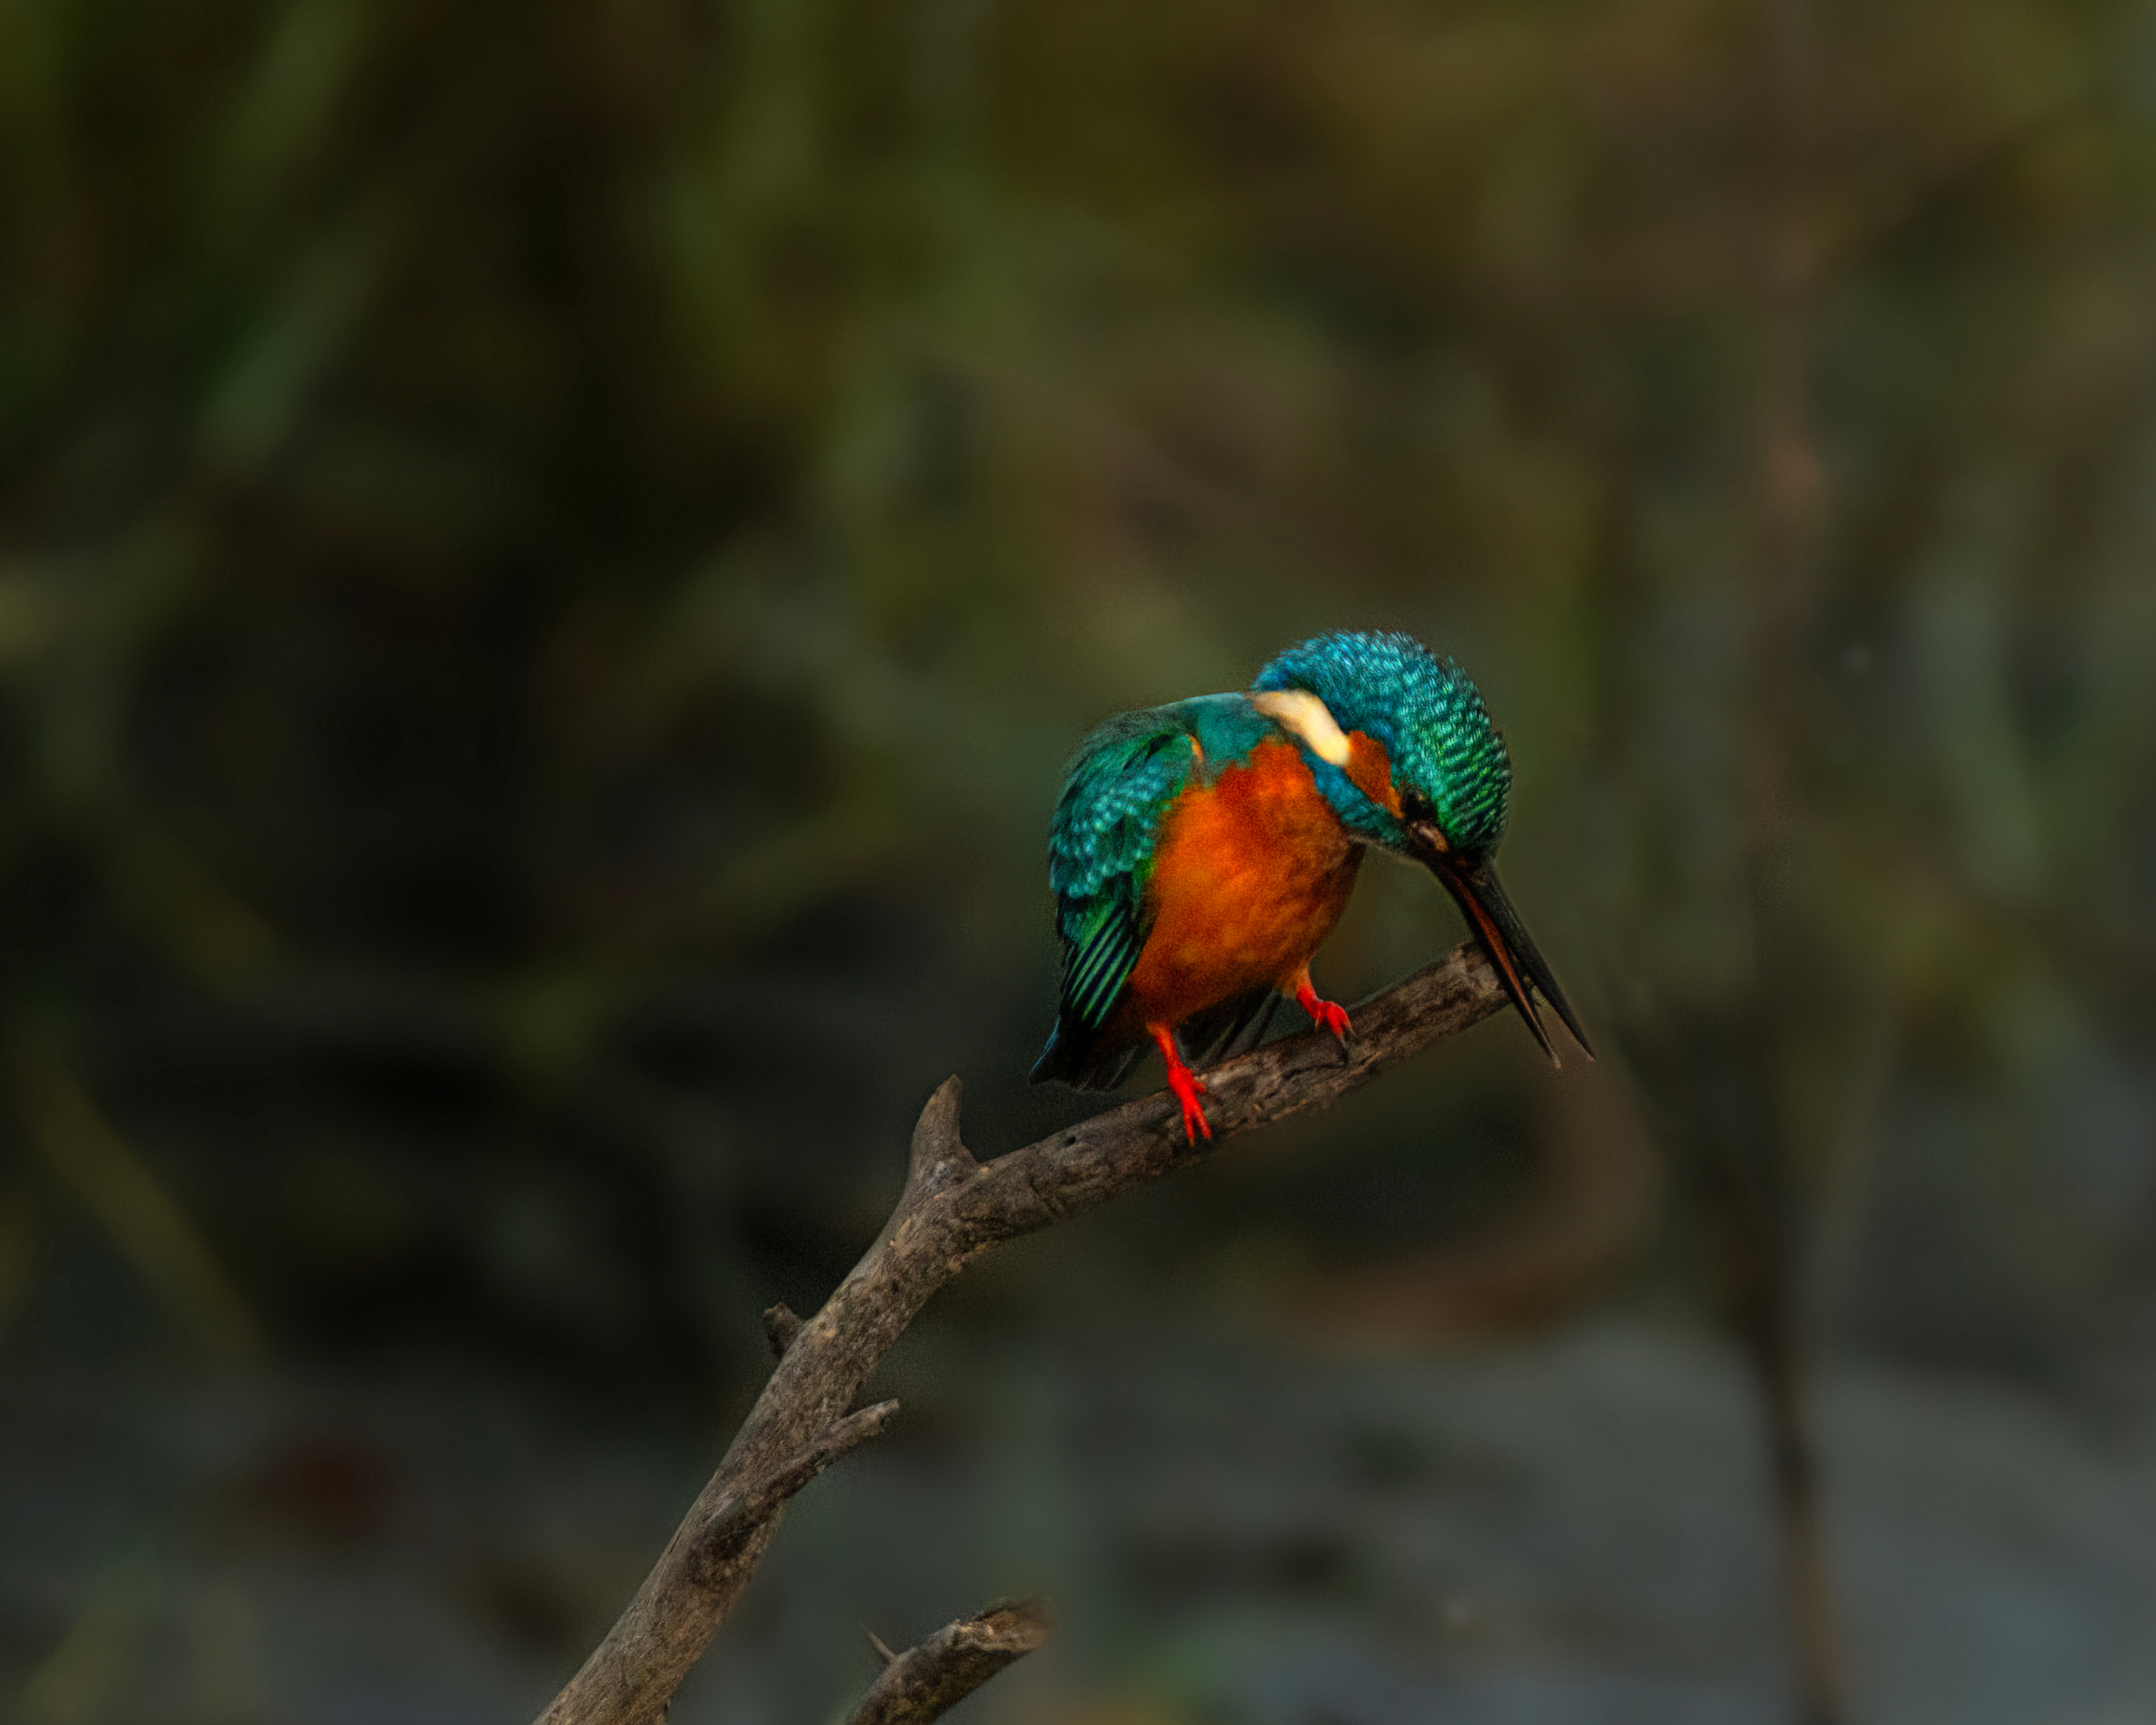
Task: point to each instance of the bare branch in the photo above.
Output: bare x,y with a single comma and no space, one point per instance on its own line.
925,1682
953,1210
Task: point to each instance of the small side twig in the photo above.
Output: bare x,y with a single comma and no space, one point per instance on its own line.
925,1681
719,1543
780,1328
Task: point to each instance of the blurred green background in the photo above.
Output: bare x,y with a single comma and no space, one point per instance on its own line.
550,556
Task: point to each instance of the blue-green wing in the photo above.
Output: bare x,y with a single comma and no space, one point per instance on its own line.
1121,783
1125,777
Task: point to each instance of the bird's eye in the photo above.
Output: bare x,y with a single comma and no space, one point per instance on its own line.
1416,809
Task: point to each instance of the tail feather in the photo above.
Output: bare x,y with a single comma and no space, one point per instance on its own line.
1073,1056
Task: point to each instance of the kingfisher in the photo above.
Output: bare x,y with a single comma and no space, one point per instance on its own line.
1202,851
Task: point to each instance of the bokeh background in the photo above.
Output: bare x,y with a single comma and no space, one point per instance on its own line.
550,556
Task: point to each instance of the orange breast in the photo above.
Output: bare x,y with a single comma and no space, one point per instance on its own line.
1251,874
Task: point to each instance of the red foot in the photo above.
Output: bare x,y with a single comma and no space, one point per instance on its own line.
1326,1014
1184,1085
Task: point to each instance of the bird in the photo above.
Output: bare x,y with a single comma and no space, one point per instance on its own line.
1201,852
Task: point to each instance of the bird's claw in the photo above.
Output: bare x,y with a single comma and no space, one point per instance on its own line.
1187,1087
1328,1015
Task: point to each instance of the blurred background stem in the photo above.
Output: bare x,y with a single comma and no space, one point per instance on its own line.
1756,1193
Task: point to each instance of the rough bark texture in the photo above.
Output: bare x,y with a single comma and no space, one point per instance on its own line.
953,1209
925,1682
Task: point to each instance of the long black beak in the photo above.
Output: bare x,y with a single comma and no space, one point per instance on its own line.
1474,883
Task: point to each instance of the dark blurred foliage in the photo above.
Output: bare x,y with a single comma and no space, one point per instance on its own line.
550,556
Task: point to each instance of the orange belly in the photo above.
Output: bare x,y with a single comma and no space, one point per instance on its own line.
1251,874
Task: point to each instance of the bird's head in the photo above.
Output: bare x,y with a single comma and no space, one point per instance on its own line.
1404,749
1399,739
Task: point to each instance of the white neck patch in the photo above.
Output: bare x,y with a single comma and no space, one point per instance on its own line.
1307,719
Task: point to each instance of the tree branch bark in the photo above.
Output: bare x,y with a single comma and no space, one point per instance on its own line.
927,1681
953,1209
